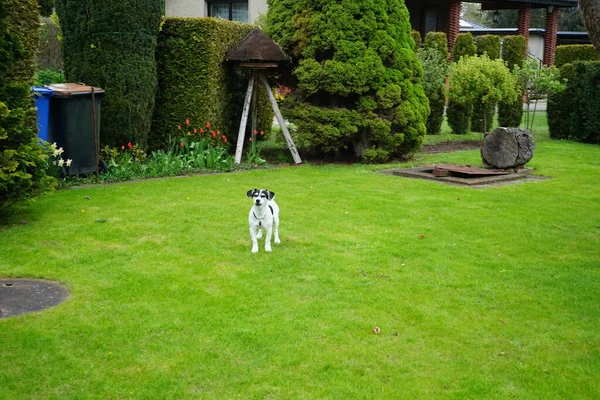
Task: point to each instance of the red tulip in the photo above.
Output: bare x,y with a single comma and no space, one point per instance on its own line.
187,121
179,127
181,144
262,133
201,130
208,124
122,147
129,145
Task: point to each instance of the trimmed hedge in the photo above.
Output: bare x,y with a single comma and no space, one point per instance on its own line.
464,46
357,90
490,45
416,35
437,41
437,98
195,83
568,54
514,50
575,113
459,114
23,164
112,45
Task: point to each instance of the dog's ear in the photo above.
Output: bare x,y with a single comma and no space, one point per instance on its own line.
249,192
271,194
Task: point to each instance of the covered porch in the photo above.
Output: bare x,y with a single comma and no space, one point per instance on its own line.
444,16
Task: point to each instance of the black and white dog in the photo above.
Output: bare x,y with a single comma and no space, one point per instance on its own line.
264,215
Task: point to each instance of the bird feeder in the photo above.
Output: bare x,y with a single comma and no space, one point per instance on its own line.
259,52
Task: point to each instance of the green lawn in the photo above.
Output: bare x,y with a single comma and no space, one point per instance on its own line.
479,293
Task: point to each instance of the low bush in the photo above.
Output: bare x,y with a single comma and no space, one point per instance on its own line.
49,76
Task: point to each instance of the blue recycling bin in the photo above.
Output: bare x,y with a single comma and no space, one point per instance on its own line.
42,103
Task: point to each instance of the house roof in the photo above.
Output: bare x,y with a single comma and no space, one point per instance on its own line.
257,46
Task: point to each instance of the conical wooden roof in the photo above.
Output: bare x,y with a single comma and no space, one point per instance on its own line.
257,46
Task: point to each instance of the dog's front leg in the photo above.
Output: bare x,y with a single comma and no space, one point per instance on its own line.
253,230
268,238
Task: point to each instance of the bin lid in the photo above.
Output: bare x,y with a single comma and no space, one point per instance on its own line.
69,89
42,91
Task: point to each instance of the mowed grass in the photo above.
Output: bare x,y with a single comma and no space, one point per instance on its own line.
479,293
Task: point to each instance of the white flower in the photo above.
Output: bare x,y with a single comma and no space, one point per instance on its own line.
61,162
53,146
69,161
56,153
60,151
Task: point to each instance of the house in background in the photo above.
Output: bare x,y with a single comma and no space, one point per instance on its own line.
234,10
425,15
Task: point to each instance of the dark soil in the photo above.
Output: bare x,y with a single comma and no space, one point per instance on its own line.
448,147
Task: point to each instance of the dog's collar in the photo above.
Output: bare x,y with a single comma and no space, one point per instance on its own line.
263,217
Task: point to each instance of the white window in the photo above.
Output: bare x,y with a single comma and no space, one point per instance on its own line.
234,10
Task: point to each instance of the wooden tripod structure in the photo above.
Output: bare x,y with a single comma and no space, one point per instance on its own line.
259,52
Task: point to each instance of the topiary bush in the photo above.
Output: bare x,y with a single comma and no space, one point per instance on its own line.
416,35
23,162
195,83
434,60
568,54
458,113
464,46
479,80
575,112
490,46
112,45
357,80
514,50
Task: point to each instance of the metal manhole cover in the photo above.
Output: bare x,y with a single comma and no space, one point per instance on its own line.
22,296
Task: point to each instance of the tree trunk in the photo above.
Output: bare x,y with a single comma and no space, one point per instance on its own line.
590,9
507,148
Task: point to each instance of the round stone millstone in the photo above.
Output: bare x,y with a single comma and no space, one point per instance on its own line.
22,296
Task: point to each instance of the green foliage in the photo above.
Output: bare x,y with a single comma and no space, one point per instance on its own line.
23,163
483,114
46,7
488,44
568,54
538,81
195,83
357,80
49,76
416,35
479,80
437,41
433,59
111,45
514,50
464,46
562,106
459,115
575,112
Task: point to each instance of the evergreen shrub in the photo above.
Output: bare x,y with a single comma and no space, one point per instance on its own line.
568,54
357,81
514,50
458,113
23,163
489,45
111,45
575,113
416,35
195,83
434,59
464,46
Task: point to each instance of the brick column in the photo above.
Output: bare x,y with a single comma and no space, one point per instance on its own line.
524,22
453,24
550,36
